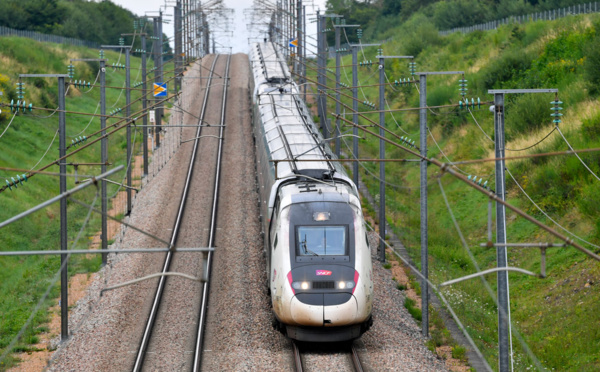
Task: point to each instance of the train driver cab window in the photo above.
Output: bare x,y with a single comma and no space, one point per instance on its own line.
321,241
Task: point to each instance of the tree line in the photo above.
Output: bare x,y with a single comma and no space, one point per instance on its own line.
377,16
102,22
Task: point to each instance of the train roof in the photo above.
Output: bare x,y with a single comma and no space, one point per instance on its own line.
289,130
268,65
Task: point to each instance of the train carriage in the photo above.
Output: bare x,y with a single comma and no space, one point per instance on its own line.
319,266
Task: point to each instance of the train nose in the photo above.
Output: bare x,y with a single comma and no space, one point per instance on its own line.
318,309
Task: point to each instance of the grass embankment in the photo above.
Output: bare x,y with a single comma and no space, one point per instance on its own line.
25,279
556,316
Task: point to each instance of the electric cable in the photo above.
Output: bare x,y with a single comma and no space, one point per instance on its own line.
546,214
574,152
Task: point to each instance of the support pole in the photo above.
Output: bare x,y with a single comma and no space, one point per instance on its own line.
128,113
299,56
503,296
160,110
424,234
355,113
303,66
104,157
178,49
144,104
321,64
64,278
504,340
382,163
157,58
338,96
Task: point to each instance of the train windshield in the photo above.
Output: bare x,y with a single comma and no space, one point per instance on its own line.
322,241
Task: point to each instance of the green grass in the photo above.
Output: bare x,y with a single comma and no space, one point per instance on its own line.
556,315
24,279
412,308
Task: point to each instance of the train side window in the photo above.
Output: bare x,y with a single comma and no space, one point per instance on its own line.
275,244
367,238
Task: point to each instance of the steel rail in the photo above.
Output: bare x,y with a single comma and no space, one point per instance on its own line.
213,228
355,359
160,288
297,358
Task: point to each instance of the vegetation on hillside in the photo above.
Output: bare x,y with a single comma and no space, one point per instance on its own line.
557,316
25,140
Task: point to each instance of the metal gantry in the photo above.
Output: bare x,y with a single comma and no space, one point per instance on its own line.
382,218
423,130
504,338
127,49
64,238
338,52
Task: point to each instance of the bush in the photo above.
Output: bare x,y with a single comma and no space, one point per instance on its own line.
590,200
591,127
512,65
528,112
591,65
450,14
421,33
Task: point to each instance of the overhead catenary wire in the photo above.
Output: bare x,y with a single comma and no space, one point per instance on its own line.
88,144
441,296
546,214
483,280
375,176
49,287
575,152
46,152
9,123
446,168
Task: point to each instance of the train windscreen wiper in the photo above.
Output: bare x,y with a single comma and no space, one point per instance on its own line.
306,250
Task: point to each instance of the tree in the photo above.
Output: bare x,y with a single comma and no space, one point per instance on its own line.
391,7
44,15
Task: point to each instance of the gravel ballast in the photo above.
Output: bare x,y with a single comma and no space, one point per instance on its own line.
239,335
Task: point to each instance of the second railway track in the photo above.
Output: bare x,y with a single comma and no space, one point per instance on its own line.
171,323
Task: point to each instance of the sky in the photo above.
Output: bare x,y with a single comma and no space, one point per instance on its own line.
239,41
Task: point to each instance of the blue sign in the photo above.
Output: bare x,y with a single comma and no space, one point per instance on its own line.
160,89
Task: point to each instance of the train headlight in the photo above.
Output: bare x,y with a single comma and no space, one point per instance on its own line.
346,285
321,216
301,285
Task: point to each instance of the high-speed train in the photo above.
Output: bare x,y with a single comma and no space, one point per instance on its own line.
319,268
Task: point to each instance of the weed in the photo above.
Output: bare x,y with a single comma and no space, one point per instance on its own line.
412,308
459,352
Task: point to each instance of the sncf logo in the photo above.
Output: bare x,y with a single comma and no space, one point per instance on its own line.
323,272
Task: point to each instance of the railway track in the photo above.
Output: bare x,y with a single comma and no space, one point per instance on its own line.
353,359
213,228
148,336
